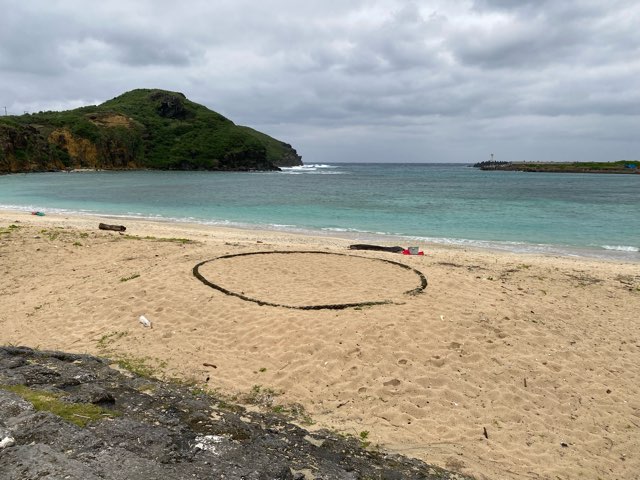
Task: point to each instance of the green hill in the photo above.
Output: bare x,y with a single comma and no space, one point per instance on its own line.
143,128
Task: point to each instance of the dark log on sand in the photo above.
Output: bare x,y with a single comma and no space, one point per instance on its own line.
115,228
379,248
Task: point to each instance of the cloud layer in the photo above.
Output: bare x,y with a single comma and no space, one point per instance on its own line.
382,80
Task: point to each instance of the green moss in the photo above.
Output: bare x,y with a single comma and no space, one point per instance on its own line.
364,435
138,366
295,412
7,230
142,366
198,391
50,234
130,277
110,338
260,396
229,406
79,413
265,397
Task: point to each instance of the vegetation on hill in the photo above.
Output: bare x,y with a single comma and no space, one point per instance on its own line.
621,166
142,128
278,153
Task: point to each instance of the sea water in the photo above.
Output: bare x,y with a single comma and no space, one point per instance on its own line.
567,214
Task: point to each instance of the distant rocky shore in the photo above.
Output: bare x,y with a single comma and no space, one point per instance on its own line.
73,417
622,166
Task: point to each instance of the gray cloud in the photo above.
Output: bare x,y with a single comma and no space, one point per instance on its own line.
362,80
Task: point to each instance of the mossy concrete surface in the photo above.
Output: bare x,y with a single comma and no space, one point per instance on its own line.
74,417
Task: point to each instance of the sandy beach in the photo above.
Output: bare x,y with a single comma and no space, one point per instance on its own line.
505,366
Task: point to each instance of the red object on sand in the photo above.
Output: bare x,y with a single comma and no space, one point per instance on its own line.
407,252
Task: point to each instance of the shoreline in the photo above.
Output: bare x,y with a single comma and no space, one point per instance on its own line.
542,351
622,253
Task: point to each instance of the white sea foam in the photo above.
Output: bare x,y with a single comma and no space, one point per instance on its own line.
312,166
612,252
316,168
340,230
33,208
18,208
621,248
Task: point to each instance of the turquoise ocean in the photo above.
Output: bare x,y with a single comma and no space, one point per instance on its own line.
593,215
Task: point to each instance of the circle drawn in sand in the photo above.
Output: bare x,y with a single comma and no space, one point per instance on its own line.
301,274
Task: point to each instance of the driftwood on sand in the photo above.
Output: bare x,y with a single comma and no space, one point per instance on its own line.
115,228
379,248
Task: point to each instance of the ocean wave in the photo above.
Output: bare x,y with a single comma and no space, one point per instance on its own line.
18,208
511,246
33,208
314,168
312,165
621,248
624,253
340,229
312,172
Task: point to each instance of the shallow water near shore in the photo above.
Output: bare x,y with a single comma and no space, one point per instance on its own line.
564,214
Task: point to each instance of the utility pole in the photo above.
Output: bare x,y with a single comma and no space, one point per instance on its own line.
5,111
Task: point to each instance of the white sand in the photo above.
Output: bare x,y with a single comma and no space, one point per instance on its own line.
423,375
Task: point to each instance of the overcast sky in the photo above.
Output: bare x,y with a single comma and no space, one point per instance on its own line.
376,80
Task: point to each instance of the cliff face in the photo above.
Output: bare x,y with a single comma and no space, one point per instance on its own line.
153,129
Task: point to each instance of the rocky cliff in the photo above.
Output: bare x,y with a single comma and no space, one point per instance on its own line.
143,128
